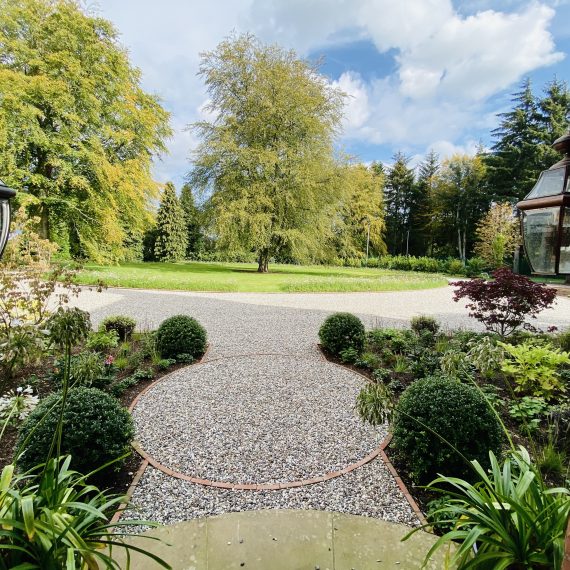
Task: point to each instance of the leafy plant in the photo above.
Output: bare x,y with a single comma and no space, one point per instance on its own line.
349,355
368,360
184,358
381,375
121,324
552,462
438,516
493,396
88,369
375,403
529,411
96,430
456,365
341,331
395,340
18,405
434,408
509,514
56,520
485,355
102,341
20,346
165,363
181,334
535,368
504,303
401,364
423,323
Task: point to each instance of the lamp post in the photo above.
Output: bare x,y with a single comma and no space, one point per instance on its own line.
546,217
6,194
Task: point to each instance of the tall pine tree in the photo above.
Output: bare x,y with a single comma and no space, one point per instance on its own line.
522,147
171,237
399,198
192,221
426,226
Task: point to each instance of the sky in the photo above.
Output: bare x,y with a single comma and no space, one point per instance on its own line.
420,75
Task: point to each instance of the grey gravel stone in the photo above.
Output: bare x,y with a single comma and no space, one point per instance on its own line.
256,419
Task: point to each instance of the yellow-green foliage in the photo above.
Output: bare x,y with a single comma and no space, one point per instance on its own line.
268,157
534,368
76,130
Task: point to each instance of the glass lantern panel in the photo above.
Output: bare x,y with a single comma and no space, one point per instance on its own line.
564,266
540,232
550,183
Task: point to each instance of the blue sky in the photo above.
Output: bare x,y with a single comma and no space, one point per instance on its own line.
420,74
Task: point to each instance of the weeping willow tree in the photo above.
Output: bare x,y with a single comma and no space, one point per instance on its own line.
266,160
77,132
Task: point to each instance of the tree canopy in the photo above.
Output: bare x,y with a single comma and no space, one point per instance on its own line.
266,160
77,132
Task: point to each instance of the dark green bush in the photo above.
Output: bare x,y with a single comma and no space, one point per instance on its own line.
457,412
342,331
123,325
96,430
423,323
396,340
181,335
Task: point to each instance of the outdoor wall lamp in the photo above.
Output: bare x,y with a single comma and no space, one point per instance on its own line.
5,195
546,217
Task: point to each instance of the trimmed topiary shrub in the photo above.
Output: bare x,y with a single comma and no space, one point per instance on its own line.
457,412
181,335
96,430
342,331
121,324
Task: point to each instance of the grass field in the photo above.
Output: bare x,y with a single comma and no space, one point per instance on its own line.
243,277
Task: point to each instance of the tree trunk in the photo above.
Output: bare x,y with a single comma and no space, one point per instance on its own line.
263,262
44,222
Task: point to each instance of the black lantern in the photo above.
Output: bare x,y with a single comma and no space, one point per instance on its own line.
546,217
5,195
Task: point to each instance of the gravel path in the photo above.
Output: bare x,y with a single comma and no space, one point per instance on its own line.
256,419
242,417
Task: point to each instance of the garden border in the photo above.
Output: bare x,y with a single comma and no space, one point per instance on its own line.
378,452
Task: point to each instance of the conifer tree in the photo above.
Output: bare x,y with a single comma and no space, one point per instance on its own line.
192,218
399,197
171,236
426,184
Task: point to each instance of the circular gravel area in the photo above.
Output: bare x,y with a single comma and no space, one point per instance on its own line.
256,419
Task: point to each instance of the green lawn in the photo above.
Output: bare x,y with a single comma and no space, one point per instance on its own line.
244,277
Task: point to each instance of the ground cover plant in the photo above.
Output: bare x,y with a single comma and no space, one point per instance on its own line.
201,276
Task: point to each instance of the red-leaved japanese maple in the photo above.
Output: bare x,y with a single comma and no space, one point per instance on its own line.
504,303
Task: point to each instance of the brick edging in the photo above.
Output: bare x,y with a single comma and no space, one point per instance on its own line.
130,491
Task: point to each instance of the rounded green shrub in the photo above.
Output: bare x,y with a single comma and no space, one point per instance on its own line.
423,323
96,430
342,331
181,335
458,413
121,324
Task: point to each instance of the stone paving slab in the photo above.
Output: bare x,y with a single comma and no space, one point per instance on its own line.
287,540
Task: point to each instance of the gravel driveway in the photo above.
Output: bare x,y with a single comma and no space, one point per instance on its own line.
265,407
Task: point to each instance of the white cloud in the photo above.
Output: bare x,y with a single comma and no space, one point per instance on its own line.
472,58
448,64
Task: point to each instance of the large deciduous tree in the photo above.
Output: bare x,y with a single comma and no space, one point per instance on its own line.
266,159
461,199
77,132
497,235
362,224
171,237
